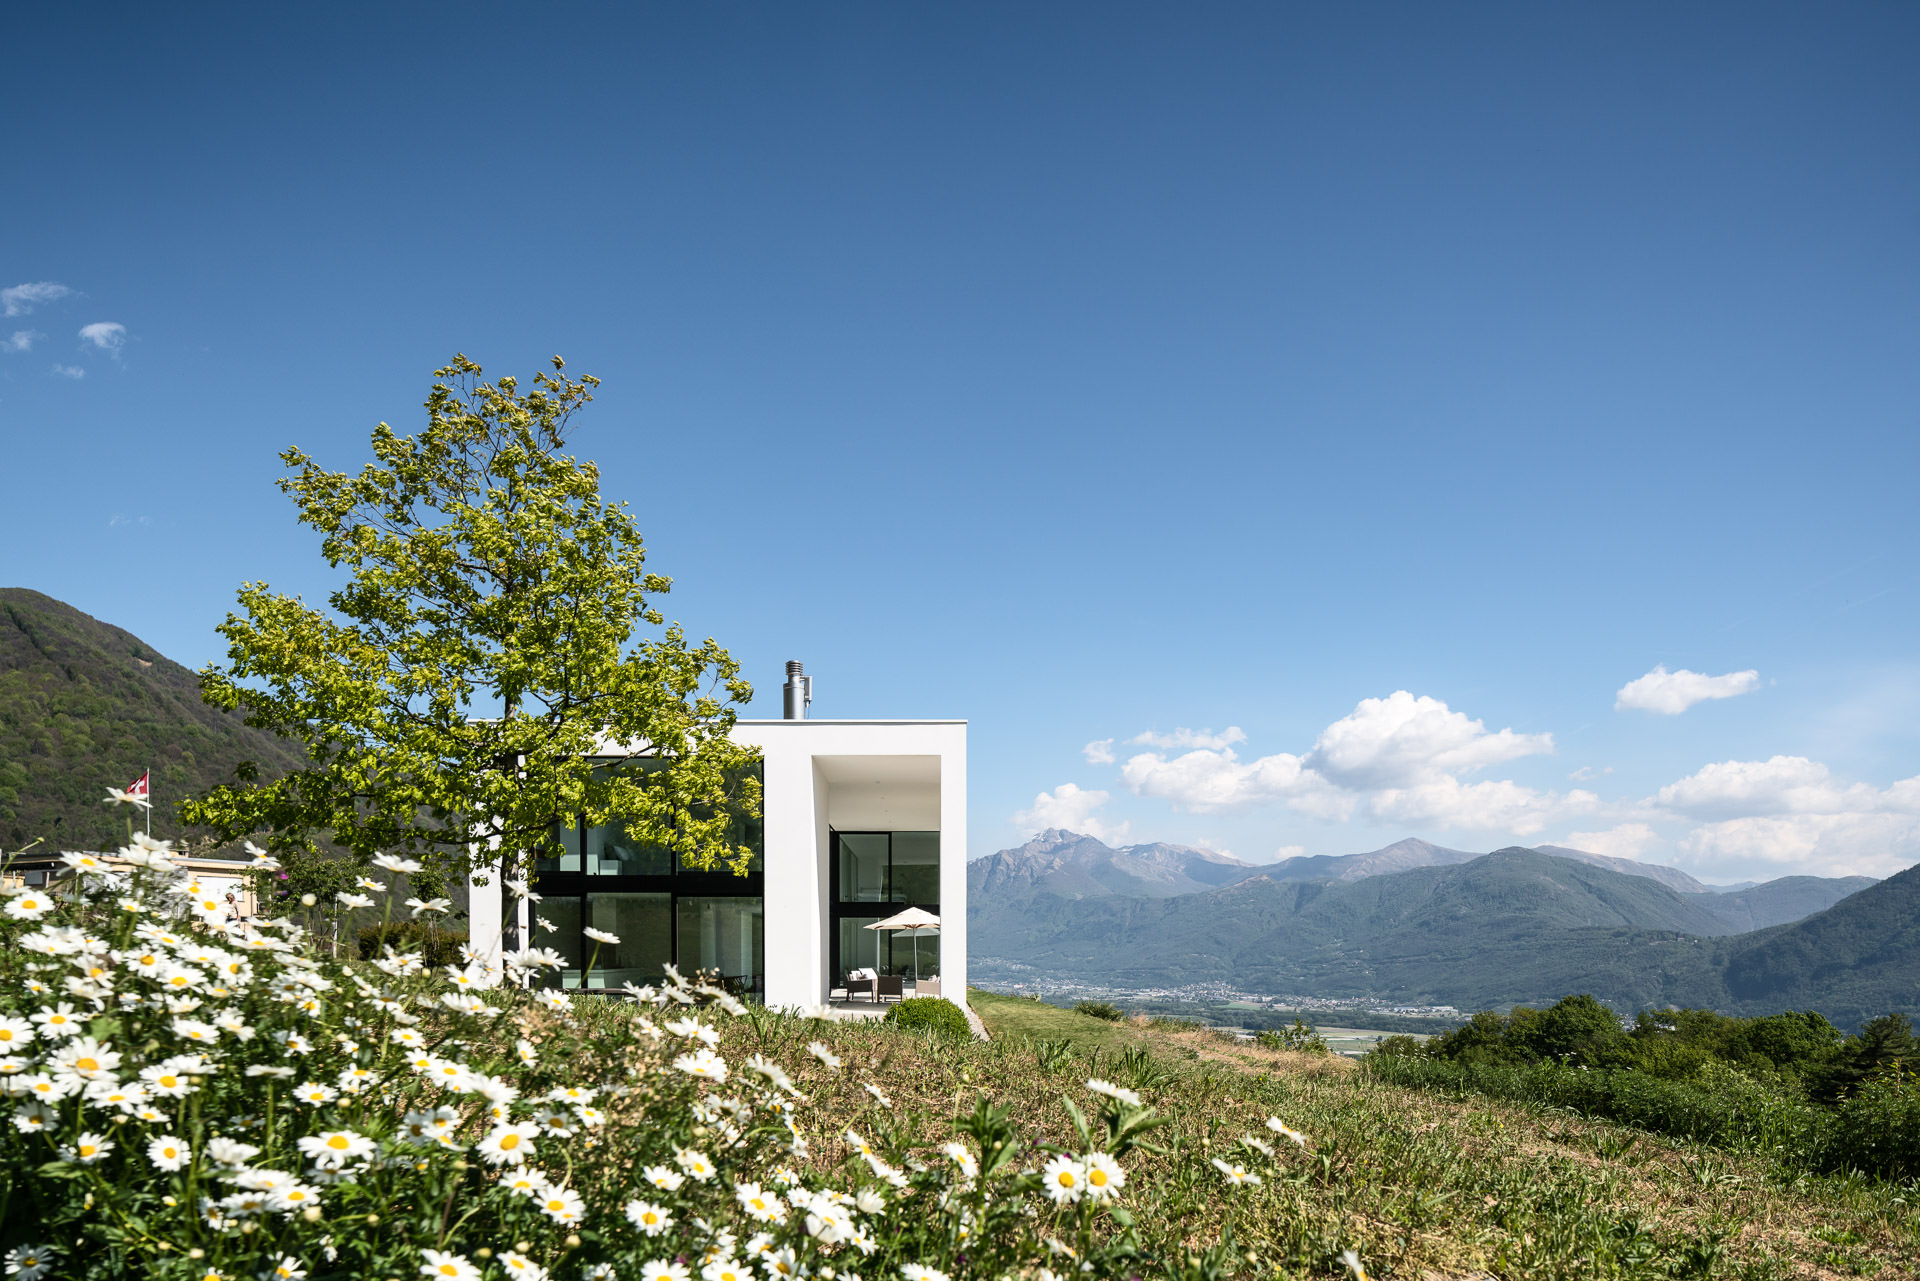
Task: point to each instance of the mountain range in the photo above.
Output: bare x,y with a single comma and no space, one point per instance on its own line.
1417,923
85,706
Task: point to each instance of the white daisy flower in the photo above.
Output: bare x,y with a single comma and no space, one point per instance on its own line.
60,1021
30,906
443,1266
703,1063
29,1262
1065,1180
508,1144
521,1268
958,1154
14,1032
663,1178
1112,1091
694,1163
659,1271
649,1218
88,1148
1236,1174
725,1269
562,1205
168,1153
600,936
85,1058
34,1117
313,1094
294,1196
230,1152
1351,1260
392,863
759,1206
820,1051
331,1149
1105,1178
1280,1128
921,1272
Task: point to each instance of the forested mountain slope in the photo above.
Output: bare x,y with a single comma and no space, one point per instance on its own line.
85,706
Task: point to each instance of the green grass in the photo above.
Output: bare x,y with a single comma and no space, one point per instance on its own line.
1422,1185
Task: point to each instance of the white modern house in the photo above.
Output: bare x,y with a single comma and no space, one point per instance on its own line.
861,819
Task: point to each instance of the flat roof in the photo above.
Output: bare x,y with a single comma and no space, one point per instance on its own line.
822,720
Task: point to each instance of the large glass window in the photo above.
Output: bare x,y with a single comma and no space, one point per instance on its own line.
644,925
722,935
916,867
863,867
602,878
880,873
564,915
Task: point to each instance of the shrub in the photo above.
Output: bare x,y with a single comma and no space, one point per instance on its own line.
436,947
1299,1037
1402,1045
937,1013
1878,1130
1104,1010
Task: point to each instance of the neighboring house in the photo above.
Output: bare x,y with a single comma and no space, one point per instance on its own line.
861,819
225,880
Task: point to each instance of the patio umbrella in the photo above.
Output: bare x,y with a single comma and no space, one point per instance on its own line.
914,920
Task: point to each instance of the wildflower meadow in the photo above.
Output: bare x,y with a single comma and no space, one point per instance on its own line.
210,1100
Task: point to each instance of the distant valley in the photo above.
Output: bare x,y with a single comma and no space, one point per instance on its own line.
1417,923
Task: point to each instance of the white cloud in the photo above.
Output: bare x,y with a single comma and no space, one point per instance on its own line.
107,335
1587,772
1788,814
1492,806
1099,752
21,299
1204,738
1629,840
1070,807
1402,741
22,340
1746,789
1873,844
1670,693
1285,852
1402,757
1212,781
70,371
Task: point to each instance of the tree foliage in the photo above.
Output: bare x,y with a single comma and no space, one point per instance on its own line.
496,632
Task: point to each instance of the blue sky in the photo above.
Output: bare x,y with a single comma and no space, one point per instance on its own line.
1357,401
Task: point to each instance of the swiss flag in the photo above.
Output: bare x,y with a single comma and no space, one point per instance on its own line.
139,786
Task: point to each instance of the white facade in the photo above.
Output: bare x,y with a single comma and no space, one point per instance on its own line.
827,776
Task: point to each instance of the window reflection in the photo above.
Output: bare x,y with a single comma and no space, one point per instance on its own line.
723,935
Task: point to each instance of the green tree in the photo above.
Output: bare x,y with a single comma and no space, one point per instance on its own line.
495,632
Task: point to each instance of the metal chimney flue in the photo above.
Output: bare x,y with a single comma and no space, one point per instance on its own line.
797,693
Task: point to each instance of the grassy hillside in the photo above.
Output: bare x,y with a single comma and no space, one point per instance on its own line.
1418,1184
85,706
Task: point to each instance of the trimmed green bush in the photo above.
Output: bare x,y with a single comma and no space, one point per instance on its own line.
438,947
1104,1010
933,1012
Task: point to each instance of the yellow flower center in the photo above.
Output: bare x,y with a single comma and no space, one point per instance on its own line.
84,1064
508,1142
448,1270
338,1142
1066,1178
1097,1177
88,1149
